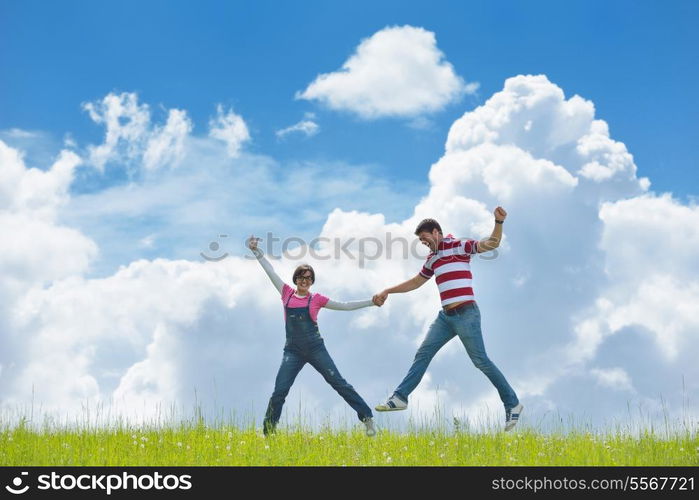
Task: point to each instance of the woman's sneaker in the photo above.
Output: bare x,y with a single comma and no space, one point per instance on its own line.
393,403
369,424
512,416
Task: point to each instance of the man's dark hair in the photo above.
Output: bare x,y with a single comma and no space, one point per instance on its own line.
302,269
428,225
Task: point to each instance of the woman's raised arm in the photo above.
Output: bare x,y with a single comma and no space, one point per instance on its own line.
273,276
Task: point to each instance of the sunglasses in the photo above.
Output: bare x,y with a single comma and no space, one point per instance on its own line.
307,278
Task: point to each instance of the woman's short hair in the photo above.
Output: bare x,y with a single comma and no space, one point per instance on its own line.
302,269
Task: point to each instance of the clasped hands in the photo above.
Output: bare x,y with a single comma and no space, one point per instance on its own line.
379,298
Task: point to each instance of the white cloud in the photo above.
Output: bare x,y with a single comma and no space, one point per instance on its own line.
650,246
109,355
33,191
527,148
38,148
398,71
615,378
595,282
159,303
211,193
126,122
229,128
18,133
309,128
606,284
166,144
35,249
130,136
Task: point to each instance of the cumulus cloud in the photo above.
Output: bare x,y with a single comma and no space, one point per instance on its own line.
652,271
588,304
35,248
615,378
126,122
229,128
166,144
33,191
530,148
130,135
398,71
546,156
116,351
120,359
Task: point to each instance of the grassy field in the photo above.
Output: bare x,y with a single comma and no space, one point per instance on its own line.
188,444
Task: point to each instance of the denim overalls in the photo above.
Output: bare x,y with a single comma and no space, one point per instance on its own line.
305,345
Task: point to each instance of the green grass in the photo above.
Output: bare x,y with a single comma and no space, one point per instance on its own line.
193,445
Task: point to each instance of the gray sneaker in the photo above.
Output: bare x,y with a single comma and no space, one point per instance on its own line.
512,416
369,424
394,403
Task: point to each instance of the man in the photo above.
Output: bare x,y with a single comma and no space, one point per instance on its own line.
449,262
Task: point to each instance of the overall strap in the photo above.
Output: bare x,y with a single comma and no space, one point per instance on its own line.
288,300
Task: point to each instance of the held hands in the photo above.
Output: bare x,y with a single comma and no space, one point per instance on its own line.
380,298
500,213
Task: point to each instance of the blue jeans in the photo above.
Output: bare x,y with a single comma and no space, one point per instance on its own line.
295,357
466,323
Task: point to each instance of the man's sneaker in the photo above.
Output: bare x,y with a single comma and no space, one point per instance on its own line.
512,416
369,424
393,403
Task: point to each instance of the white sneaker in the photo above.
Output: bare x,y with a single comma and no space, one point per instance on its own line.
512,416
394,403
369,424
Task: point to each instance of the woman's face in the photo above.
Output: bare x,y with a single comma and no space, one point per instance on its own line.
304,282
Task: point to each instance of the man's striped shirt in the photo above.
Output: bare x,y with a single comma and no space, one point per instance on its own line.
450,264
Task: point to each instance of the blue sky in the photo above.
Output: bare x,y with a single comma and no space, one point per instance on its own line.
637,61
154,127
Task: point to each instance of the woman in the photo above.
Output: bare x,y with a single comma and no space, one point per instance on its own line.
304,343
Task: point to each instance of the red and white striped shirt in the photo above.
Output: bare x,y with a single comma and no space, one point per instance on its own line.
451,265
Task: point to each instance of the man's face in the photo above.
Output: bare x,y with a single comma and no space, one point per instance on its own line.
431,240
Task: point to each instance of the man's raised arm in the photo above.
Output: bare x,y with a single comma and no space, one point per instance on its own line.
493,241
407,286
